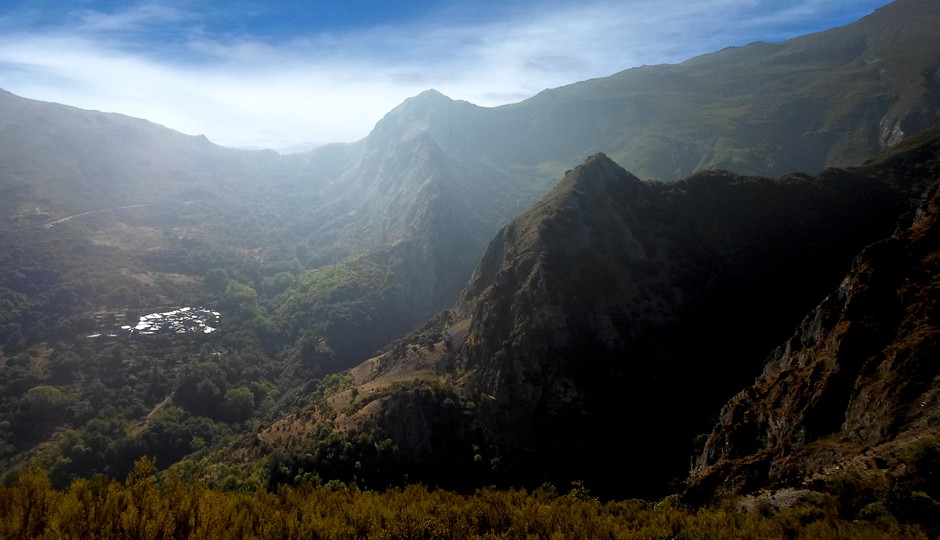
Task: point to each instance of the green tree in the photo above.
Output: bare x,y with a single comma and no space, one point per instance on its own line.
278,283
239,404
41,407
201,388
215,280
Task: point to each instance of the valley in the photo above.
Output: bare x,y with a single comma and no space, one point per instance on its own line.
685,283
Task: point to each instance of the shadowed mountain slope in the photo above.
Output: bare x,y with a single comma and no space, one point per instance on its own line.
856,385
614,305
605,327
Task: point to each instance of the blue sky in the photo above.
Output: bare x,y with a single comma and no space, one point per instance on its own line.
290,75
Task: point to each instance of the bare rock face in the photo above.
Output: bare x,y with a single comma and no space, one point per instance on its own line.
859,376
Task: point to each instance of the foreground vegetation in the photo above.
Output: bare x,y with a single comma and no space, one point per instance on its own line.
145,506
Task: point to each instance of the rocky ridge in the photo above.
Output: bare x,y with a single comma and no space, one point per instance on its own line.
856,383
598,316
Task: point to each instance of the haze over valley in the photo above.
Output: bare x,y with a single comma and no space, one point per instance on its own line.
685,282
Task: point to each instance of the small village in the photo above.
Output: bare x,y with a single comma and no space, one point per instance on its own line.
183,320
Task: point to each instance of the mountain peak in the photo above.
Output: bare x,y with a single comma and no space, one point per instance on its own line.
598,156
428,112
428,98
598,174
431,94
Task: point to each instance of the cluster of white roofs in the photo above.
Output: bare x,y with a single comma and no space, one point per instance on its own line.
178,321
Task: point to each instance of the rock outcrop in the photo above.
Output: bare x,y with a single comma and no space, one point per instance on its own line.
857,381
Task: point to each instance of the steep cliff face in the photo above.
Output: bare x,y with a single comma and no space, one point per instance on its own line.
857,380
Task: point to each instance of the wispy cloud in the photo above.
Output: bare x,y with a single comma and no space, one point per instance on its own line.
241,88
136,18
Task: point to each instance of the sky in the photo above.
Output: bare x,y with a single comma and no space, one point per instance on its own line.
292,75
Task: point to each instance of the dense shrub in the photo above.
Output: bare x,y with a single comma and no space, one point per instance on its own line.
146,507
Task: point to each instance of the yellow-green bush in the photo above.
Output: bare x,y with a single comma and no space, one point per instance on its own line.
143,508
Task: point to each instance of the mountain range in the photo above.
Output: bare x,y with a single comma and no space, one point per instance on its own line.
605,327
492,323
